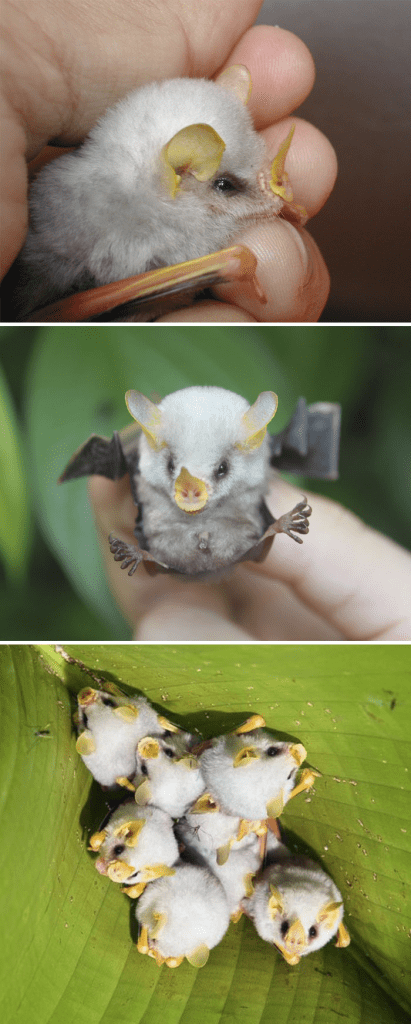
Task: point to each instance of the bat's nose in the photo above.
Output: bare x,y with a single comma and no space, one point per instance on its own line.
87,696
295,941
190,492
148,747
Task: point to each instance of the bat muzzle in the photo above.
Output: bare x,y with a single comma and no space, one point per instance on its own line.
190,493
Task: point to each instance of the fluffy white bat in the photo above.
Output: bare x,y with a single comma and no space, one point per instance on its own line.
171,173
168,775
136,846
184,915
111,725
297,907
252,774
236,874
211,833
203,472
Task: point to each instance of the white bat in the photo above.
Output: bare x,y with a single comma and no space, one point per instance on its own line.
168,775
211,833
252,774
170,174
184,915
297,907
111,725
136,846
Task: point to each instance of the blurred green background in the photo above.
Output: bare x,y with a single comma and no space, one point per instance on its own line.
59,384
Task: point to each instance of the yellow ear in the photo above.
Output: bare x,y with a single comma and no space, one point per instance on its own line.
196,149
328,914
148,747
126,711
148,417
254,422
199,956
85,743
160,923
275,806
255,722
280,183
343,937
97,840
298,752
275,903
237,80
130,831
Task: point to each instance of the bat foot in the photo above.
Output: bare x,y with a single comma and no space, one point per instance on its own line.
127,554
295,521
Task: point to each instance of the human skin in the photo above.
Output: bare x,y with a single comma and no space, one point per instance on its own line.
63,65
346,581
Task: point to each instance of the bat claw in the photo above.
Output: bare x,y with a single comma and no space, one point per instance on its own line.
127,554
296,520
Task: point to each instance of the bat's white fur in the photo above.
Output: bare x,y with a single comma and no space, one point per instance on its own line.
102,213
115,738
196,908
173,785
208,832
304,889
156,842
246,789
200,427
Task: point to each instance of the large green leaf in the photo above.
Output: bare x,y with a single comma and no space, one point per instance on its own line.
14,507
68,953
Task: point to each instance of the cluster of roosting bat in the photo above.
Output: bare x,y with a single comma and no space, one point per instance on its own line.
197,841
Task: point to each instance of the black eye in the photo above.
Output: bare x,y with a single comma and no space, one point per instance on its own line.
273,751
312,932
222,469
224,184
85,719
108,702
170,753
170,465
144,769
284,927
118,849
292,773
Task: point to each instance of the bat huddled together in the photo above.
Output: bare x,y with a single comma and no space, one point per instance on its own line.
196,840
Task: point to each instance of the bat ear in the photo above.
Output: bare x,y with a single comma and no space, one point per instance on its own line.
199,956
195,150
237,80
343,937
280,182
253,427
275,903
148,747
160,921
148,417
328,914
255,722
85,743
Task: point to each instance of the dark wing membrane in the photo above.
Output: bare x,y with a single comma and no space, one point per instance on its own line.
98,457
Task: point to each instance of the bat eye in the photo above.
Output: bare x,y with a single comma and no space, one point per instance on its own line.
144,769
273,751
84,719
170,465
222,469
224,184
118,850
170,753
284,927
108,702
312,932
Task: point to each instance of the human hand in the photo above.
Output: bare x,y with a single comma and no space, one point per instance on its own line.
63,68
345,582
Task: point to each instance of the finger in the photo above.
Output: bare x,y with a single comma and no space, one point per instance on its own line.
172,620
282,71
353,576
211,312
144,598
291,273
269,610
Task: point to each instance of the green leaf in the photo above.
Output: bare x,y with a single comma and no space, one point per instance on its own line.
14,506
68,934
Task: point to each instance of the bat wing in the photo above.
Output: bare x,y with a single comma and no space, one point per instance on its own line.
149,295
101,457
309,444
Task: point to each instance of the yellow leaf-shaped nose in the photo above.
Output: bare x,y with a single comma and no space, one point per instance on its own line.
87,696
190,493
148,747
118,870
295,940
196,149
245,756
